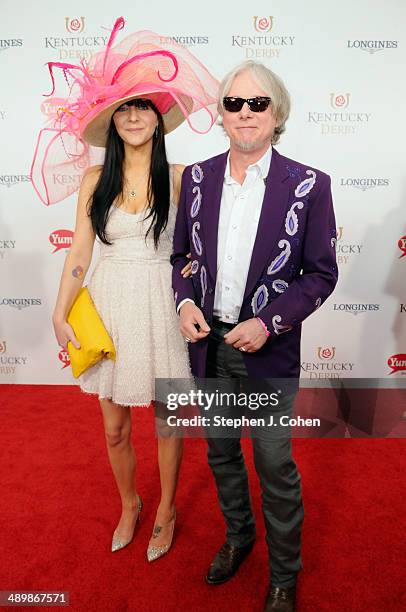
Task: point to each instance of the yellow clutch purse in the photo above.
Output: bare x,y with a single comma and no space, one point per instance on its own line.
95,342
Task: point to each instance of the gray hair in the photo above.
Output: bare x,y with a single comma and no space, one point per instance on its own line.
273,86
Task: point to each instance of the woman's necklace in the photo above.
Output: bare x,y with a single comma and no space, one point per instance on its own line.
132,190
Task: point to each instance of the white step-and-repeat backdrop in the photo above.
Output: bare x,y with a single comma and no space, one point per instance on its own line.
344,65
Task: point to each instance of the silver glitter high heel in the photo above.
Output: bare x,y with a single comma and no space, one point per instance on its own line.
154,551
116,543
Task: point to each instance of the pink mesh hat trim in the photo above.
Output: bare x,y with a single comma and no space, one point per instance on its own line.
178,84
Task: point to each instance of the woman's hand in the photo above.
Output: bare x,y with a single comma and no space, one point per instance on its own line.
64,333
187,270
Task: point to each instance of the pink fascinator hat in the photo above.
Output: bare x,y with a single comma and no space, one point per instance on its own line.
140,65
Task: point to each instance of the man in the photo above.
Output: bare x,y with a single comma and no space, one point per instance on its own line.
261,231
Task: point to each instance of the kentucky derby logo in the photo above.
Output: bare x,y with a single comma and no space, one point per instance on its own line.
397,363
326,366
338,118
402,246
326,353
345,250
339,101
63,356
75,26
61,239
81,164
2,347
263,24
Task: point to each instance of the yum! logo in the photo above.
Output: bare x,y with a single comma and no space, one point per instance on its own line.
63,356
263,24
402,246
61,239
397,363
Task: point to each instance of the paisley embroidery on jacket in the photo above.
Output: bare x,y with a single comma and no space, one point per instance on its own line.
203,284
197,173
307,185
291,221
279,285
279,329
195,266
278,263
197,200
260,299
197,243
334,243
318,303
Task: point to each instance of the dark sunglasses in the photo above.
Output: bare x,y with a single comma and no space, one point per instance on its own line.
256,105
139,103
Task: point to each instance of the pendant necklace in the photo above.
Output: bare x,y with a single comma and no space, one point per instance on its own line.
132,190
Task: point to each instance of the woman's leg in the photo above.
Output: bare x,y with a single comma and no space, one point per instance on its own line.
117,426
170,450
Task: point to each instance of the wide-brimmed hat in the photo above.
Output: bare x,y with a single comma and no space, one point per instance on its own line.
95,132
144,64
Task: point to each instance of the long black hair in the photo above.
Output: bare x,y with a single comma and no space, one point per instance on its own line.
110,183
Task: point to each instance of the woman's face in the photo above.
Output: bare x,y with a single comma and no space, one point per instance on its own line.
135,121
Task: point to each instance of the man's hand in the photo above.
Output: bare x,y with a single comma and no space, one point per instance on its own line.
190,316
248,336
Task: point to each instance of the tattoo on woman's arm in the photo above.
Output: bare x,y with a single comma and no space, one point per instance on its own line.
77,272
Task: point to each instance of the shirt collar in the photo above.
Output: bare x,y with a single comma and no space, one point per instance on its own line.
262,166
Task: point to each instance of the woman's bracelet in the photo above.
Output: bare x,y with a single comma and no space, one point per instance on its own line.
268,333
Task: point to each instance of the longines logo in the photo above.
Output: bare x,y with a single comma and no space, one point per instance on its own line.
5,247
9,363
397,363
356,309
402,246
64,358
372,46
20,303
8,43
263,44
61,239
9,180
75,47
364,183
187,40
326,366
339,122
345,250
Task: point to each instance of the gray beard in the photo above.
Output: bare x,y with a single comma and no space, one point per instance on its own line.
248,146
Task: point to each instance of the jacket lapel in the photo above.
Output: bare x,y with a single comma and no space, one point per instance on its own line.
211,210
273,213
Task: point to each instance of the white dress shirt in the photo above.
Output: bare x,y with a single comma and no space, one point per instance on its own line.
240,210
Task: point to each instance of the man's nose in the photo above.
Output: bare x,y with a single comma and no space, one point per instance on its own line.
245,111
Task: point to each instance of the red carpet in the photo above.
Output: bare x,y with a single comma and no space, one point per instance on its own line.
59,505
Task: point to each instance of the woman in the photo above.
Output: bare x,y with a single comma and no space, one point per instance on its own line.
129,204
